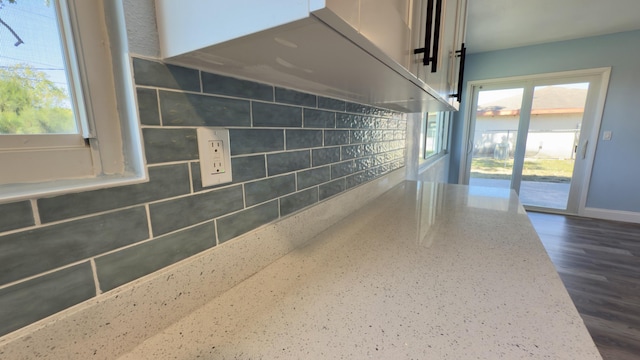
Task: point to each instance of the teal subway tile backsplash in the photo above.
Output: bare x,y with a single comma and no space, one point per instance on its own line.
298,201
164,182
148,106
34,299
325,156
342,169
224,85
336,137
239,223
267,189
167,145
251,141
16,215
319,119
155,73
332,188
274,115
331,104
313,177
34,251
285,162
180,109
352,151
301,139
288,96
246,168
170,215
120,267
289,150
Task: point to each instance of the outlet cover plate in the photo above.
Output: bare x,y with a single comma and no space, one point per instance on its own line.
215,156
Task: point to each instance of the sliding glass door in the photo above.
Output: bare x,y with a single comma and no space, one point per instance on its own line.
533,136
497,120
553,141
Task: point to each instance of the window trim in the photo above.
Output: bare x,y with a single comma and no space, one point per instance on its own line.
115,147
441,136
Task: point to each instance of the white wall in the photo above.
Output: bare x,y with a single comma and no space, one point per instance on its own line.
615,182
550,136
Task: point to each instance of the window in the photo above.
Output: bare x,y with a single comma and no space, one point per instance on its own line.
66,99
434,134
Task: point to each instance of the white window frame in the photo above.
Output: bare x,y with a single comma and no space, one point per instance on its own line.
441,137
109,150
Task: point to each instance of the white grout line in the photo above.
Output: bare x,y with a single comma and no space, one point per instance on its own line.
279,212
266,164
190,164
244,197
216,236
36,212
168,163
146,208
251,113
96,281
159,108
285,140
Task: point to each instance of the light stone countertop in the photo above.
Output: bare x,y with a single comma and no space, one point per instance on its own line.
426,271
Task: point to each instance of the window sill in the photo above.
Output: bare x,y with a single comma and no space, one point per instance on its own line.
424,164
17,192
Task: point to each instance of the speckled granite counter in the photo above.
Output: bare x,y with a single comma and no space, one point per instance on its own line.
426,271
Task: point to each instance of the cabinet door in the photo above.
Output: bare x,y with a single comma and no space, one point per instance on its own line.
386,23
347,10
438,77
456,61
418,19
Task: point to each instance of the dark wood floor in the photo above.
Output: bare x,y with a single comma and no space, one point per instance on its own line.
599,263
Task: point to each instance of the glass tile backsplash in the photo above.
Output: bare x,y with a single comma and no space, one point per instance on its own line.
289,151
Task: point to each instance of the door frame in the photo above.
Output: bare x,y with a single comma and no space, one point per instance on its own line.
604,74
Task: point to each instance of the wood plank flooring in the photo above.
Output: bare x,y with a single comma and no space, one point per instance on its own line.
599,263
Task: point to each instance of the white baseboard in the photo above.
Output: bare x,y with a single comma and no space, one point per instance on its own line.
617,215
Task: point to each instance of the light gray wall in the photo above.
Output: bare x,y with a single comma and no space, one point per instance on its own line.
615,182
436,171
432,170
142,30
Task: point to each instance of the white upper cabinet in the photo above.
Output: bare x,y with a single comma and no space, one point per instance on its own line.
359,50
387,24
443,25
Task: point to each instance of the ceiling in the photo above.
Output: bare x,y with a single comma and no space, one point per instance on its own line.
503,24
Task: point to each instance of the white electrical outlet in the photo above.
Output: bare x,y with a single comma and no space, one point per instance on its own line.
215,156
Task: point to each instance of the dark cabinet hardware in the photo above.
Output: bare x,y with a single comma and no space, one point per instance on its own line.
431,32
436,37
462,53
427,35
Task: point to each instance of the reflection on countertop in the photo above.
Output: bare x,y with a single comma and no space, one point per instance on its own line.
433,200
425,271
